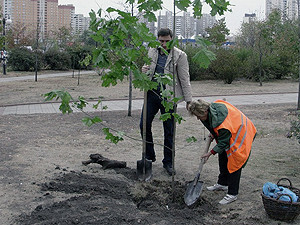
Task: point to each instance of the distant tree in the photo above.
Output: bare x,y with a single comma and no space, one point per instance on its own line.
218,32
18,35
86,38
63,37
274,47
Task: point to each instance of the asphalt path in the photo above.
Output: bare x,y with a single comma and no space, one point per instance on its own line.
118,105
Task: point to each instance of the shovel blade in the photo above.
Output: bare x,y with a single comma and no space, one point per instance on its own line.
193,192
144,170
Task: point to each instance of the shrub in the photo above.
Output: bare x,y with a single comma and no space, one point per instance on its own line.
57,60
23,59
77,53
227,65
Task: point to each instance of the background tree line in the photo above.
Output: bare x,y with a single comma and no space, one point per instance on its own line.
263,50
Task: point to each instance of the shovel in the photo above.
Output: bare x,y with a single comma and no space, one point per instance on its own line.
144,166
194,188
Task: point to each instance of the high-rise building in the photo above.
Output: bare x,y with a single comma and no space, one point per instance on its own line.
65,15
186,25
38,16
204,22
249,18
80,23
287,8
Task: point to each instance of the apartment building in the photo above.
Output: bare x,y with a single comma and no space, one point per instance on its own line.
38,16
65,15
186,25
80,23
287,8
204,22
249,18
45,17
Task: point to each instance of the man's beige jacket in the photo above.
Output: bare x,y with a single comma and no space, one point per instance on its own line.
183,85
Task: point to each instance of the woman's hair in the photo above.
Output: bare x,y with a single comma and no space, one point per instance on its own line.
199,106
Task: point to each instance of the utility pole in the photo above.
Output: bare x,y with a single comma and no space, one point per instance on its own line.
36,50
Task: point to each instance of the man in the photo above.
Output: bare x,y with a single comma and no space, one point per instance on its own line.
160,64
234,134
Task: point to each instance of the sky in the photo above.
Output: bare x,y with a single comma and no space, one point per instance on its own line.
233,19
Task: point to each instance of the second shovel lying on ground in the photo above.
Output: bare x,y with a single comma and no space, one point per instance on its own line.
194,188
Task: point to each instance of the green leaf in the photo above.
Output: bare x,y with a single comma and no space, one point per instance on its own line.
165,116
110,10
204,57
191,139
109,136
182,4
197,8
178,118
81,103
174,42
65,99
87,121
91,121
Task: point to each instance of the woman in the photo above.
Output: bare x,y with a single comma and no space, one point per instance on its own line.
234,134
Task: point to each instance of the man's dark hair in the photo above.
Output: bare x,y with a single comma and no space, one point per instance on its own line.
164,32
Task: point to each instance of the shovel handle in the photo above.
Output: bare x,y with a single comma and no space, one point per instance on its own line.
144,125
207,144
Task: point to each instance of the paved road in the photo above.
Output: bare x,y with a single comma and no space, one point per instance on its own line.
115,105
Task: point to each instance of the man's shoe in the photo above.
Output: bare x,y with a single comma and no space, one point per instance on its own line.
217,187
169,169
228,199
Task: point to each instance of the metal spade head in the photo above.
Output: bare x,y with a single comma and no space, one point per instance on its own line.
144,169
193,192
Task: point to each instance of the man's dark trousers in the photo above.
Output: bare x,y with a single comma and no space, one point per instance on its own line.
153,105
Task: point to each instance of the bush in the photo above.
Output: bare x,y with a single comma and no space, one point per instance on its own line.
78,53
23,59
227,65
196,73
57,60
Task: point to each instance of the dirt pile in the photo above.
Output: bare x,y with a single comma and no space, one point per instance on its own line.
102,200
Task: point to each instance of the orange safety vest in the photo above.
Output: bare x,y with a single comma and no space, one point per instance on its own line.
242,134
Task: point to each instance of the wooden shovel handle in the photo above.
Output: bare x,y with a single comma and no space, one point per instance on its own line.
207,144
144,126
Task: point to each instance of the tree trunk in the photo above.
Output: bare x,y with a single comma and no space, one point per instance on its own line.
130,93
298,107
130,81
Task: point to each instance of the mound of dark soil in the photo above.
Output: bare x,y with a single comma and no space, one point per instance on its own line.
103,200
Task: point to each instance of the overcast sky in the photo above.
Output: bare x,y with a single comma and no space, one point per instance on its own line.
233,19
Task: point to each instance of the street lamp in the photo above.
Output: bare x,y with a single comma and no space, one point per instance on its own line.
3,52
